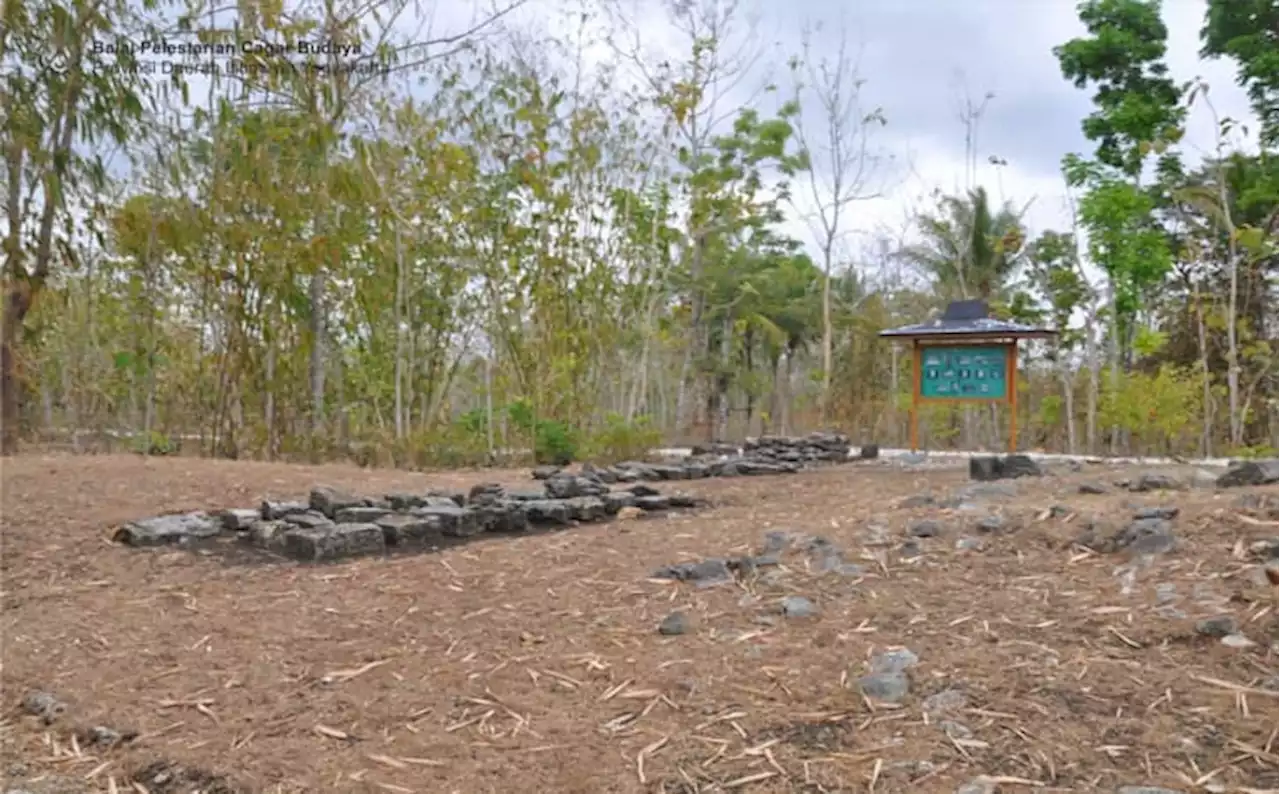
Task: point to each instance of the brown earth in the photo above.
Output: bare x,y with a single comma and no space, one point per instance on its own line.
534,664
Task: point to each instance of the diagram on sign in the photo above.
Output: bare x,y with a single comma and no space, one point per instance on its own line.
976,373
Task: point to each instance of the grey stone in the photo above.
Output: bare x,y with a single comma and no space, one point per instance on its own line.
925,529
308,520
587,508
1147,536
798,607
1251,472
547,511
268,534
946,700
910,550
1092,488
274,511
359,515
991,467
342,540
329,501
776,542
1219,626
704,573
990,525
969,544
454,521
616,500
895,661
1151,481
545,472
1167,513
984,490
44,705
238,519
890,687
652,503
526,495
399,529
869,452
484,493
162,530
674,624
503,516
640,489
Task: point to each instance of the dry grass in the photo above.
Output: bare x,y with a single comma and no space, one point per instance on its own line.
534,664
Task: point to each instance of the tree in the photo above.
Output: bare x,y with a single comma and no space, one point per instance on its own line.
1246,31
842,168
60,95
968,250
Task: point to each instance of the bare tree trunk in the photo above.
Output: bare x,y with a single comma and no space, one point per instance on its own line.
399,321
269,396
1206,432
1091,399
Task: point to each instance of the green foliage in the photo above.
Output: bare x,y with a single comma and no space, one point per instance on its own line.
1159,408
621,440
1137,104
1246,32
155,443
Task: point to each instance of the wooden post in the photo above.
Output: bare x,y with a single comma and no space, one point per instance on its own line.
1011,383
916,384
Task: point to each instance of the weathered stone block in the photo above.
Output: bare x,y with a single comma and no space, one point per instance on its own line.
162,530
343,540
238,519
359,515
454,521
399,529
329,501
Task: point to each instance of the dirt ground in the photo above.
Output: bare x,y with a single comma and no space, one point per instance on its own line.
534,664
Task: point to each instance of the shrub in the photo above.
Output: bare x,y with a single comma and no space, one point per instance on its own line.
623,440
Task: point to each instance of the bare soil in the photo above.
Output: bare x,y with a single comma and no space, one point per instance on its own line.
534,664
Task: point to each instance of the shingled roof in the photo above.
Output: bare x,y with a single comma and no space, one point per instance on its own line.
964,319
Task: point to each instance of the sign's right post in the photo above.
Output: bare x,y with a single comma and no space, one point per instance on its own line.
1011,386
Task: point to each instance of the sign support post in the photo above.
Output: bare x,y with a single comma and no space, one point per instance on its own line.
965,357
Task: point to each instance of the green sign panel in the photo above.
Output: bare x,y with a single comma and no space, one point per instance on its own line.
963,373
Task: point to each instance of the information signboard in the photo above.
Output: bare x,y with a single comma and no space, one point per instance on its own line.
964,373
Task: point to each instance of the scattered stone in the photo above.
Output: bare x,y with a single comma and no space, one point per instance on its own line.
674,624
547,511
992,467
983,490
1155,482
1167,513
925,529
946,700
910,550
43,705
1251,472
590,508
701,574
990,525
889,687
895,661
1092,488
798,607
869,451
162,530
1146,536
1219,626
969,544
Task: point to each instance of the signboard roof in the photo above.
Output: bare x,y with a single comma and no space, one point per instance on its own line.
965,320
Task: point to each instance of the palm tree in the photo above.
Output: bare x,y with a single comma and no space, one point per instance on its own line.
968,250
